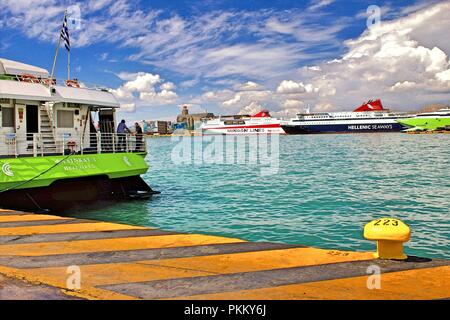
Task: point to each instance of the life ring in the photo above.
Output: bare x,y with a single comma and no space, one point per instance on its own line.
28,78
49,82
71,145
72,84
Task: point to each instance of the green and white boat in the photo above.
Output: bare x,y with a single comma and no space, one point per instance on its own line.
58,146
431,121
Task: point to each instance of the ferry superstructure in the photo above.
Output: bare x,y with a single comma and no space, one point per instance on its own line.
429,121
260,123
369,117
52,154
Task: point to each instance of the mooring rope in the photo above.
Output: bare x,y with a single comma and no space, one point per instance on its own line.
40,174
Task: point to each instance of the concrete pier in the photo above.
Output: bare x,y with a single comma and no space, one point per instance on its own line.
118,261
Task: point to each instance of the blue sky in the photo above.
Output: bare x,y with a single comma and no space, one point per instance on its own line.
240,56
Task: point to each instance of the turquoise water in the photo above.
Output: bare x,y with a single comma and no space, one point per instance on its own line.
327,187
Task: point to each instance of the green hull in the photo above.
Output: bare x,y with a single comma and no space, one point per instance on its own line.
34,172
426,123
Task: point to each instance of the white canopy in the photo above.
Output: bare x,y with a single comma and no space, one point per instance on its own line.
39,92
18,68
85,96
24,91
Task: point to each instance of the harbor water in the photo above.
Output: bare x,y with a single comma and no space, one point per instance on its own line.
325,189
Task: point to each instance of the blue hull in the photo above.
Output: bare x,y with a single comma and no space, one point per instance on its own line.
343,128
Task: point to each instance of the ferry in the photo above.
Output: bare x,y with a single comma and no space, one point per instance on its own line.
260,123
431,121
369,117
53,156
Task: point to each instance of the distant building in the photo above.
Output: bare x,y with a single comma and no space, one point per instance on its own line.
433,108
157,127
164,127
191,121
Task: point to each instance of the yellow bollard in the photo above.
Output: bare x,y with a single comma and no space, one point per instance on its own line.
390,235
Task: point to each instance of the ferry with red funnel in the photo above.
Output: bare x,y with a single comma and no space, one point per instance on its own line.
260,123
369,117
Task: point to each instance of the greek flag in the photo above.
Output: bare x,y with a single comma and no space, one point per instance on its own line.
65,34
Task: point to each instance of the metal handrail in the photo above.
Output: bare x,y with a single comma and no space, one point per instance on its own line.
38,145
46,81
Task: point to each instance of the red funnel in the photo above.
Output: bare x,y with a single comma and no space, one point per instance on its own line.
370,106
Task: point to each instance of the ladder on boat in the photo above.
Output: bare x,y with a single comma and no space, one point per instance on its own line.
47,136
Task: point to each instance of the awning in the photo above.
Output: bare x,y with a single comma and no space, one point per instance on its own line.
18,68
85,96
24,91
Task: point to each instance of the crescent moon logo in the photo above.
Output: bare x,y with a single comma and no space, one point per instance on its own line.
6,168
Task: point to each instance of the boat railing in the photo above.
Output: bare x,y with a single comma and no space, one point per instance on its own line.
47,81
38,144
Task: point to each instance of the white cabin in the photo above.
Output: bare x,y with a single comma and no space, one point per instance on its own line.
42,116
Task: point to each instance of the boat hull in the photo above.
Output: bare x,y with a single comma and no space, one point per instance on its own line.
342,128
73,194
427,123
58,183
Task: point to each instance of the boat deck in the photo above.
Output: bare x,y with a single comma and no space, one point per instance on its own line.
119,261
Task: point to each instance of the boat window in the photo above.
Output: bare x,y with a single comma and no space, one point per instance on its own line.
229,123
7,117
65,119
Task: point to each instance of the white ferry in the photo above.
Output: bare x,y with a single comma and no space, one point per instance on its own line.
369,117
260,123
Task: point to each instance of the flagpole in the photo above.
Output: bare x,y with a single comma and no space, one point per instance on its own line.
68,65
56,55
54,59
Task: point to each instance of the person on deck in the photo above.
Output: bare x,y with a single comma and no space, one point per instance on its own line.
122,131
139,136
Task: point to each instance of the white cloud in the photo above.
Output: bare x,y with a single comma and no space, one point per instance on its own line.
95,5
285,113
396,62
128,107
289,86
188,83
403,86
169,86
319,4
251,109
233,101
104,56
293,104
140,89
324,107
216,96
144,82
444,76
101,20
122,94
207,45
167,96
248,86
404,62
